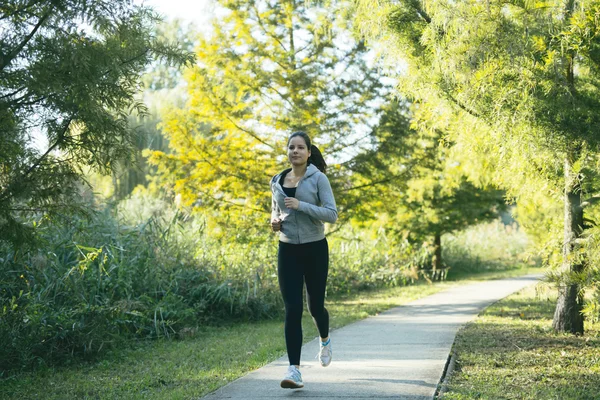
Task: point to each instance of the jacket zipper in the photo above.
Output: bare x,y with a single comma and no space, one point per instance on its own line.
296,211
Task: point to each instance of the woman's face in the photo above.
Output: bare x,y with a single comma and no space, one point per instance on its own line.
297,150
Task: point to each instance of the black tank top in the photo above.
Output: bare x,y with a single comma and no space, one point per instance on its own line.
290,192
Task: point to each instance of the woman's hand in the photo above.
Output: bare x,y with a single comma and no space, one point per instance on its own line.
291,202
276,225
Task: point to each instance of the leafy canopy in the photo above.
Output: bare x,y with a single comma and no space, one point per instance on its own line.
269,68
69,73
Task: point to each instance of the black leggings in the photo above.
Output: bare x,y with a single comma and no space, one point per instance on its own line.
296,264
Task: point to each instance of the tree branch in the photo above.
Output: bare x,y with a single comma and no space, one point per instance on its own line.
58,141
232,203
590,202
18,10
226,116
460,105
371,184
128,61
6,193
19,102
11,56
265,30
222,172
422,13
12,93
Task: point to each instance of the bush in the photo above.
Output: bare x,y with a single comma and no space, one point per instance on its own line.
146,280
487,247
146,270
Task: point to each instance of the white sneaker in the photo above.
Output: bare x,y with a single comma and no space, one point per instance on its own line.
325,353
292,378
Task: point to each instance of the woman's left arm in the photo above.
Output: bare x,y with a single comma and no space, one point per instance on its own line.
328,211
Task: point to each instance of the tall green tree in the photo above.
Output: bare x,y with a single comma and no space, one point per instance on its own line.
69,74
411,175
269,68
515,84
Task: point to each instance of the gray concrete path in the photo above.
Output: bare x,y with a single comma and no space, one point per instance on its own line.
399,354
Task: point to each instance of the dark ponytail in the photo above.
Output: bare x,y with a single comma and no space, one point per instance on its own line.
316,158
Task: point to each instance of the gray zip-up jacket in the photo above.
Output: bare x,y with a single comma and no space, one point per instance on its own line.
316,205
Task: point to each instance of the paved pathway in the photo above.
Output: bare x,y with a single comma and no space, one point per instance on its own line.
399,354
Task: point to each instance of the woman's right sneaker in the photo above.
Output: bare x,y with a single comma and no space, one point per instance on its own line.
292,378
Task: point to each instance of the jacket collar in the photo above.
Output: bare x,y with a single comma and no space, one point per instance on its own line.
310,170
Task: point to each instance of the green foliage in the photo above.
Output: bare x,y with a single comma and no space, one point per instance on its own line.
591,278
69,73
104,280
147,270
411,175
163,76
489,247
363,259
268,69
493,78
514,86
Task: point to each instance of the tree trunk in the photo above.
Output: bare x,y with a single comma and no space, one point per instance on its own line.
567,316
437,257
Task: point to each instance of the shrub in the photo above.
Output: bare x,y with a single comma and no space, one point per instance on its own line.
146,270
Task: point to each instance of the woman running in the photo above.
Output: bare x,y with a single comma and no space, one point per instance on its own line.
302,200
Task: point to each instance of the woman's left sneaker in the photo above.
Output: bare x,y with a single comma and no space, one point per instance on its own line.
325,352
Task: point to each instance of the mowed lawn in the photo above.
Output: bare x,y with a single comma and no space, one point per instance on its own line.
512,352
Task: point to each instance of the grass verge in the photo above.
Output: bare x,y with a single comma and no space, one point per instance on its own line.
511,352
207,360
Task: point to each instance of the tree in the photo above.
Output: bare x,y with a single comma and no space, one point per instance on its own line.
269,68
516,85
421,184
69,73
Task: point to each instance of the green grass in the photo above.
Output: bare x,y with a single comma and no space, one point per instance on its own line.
511,352
201,363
